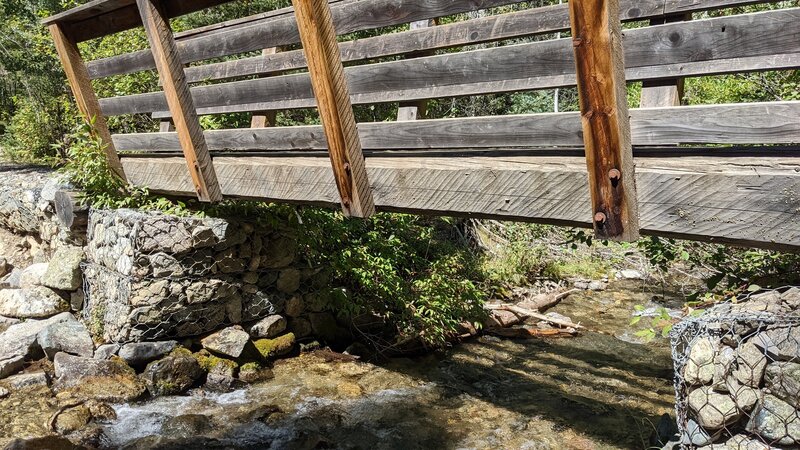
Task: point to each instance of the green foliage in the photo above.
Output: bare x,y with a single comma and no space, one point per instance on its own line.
407,269
730,269
660,324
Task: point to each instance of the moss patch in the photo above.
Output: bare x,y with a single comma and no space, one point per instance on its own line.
271,348
209,362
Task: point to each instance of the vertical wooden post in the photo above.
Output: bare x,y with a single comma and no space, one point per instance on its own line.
668,92
333,99
166,126
179,99
597,41
85,97
415,109
264,119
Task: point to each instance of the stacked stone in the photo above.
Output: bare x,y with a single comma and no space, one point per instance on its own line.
153,276
738,374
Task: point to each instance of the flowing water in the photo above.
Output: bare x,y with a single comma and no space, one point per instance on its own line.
601,390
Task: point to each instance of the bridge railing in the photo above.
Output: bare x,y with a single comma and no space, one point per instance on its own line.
726,172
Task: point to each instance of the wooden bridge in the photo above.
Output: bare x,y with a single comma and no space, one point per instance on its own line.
723,173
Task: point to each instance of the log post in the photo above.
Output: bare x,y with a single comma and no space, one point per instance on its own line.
597,42
333,99
415,109
264,119
667,92
179,99
82,90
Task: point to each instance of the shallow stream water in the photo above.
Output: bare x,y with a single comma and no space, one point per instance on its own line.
601,390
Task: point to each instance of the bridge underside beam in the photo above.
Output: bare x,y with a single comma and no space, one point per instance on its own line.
751,201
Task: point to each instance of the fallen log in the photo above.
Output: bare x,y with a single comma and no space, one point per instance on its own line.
536,315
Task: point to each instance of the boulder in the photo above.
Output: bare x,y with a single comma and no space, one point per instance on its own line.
750,364
742,442
327,329
69,337
713,410
700,368
21,339
791,298
783,381
186,426
31,303
12,280
724,361
172,375
106,351
767,302
295,306
271,348
5,267
782,344
253,373
72,419
222,378
268,327
28,380
105,380
7,322
695,435
64,270
300,326
289,281
11,365
229,342
776,421
142,353
32,275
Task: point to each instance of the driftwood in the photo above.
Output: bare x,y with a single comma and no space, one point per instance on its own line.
536,315
530,332
506,315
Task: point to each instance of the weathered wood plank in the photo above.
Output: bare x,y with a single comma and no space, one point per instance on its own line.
747,123
103,17
749,42
179,99
746,201
282,30
84,94
667,92
333,100
602,94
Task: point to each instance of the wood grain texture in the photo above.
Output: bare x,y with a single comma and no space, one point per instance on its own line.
363,16
263,119
333,100
282,30
103,17
597,40
665,92
415,109
749,42
84,94
179,99
745,201
745,123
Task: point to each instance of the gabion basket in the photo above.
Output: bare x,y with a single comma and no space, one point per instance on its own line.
737,374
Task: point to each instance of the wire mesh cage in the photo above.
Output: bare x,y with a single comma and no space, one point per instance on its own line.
737,373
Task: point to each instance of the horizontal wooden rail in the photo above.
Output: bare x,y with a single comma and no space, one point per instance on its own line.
740,43
749,123
746,201
103,17
348,17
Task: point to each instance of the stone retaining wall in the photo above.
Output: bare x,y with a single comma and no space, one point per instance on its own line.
153,276
738,374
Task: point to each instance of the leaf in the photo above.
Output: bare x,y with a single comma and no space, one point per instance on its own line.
636,320
753,288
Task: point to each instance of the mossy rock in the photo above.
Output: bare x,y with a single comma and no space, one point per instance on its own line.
272,348
211,363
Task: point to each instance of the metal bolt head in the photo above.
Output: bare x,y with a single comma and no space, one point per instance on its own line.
600,218
614,174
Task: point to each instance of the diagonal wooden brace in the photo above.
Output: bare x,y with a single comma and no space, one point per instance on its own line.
179,99
333,99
